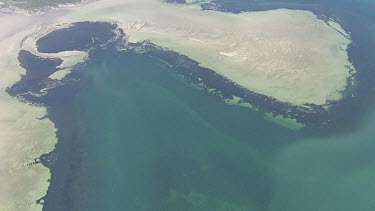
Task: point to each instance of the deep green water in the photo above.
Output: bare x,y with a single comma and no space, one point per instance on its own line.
150,141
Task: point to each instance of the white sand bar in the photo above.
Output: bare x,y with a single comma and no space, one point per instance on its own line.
290,55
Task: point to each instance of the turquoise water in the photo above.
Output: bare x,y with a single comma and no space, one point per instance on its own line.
151,141
156,143
134,135
327,173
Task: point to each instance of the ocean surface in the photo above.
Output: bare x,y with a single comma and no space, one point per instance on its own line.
135,135
152,142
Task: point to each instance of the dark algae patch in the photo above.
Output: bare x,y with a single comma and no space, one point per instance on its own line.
134,134
38,70
209,79
83,36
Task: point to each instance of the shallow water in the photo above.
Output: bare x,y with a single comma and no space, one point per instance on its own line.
134,135
152,142
149,141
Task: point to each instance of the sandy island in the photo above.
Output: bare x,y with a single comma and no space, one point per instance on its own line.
289,55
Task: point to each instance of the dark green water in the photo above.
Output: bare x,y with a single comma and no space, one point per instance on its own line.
152,142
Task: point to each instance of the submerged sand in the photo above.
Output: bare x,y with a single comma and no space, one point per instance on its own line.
290,55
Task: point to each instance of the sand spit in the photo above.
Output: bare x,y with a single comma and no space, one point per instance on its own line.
69,58
338,27
290,55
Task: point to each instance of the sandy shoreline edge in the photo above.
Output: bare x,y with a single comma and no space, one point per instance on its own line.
24,138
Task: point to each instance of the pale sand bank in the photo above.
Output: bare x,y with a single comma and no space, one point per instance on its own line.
23,138
238,101
280,120
70,58
58,75
290,55
289,123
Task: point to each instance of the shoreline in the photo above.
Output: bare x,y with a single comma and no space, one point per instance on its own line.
21,144
241,54
35,112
